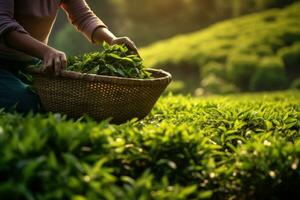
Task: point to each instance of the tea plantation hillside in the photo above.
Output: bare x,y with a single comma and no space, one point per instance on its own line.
222,147
252,53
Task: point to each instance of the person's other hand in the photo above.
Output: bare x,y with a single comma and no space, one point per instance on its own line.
54,61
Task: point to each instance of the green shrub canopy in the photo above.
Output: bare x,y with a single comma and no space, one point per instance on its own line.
239,45
234,147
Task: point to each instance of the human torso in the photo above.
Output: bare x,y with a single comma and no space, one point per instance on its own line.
37,17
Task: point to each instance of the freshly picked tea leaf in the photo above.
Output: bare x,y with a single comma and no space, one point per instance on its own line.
114,60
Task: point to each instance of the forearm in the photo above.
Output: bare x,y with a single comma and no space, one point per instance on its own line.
27,44
102,34
53,60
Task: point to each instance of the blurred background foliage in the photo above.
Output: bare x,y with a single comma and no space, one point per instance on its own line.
256,52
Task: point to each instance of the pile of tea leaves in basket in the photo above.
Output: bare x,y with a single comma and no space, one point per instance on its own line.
114,60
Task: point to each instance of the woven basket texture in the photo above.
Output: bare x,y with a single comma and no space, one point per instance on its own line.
100,97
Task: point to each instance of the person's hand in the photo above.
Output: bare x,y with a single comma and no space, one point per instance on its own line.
103,34
54,61
124,40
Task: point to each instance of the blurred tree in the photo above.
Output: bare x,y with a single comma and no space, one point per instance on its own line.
279,3
68,40
148,21
236,8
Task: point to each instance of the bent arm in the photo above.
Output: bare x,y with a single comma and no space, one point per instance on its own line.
7,21
54,60
14,35
87,22
26,43
82,17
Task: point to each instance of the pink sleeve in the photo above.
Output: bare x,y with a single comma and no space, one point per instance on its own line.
7,21
82,16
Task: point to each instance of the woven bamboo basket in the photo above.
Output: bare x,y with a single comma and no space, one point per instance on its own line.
100,97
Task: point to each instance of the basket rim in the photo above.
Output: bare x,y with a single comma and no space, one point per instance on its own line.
166,78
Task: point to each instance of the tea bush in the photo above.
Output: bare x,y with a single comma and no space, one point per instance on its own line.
272,33
269,76
291,59
213,84
296,84
213,68
223,147
241,69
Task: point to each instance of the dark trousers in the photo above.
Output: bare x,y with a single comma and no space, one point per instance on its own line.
15,91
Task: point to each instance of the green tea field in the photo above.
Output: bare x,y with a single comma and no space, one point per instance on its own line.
219,147
256,52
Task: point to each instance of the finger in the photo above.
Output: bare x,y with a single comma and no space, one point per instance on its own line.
127,42
48,66
130,44
57,65
138,54
64,61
